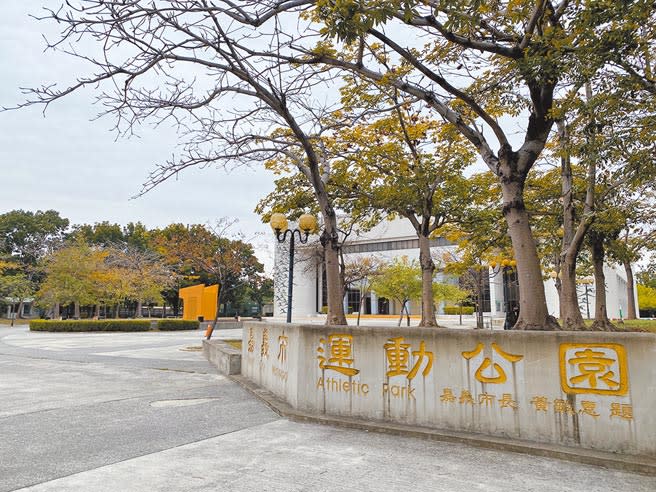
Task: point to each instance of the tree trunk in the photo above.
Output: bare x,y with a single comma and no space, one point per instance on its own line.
573,239
56,314
570,313
427,271
138,313
601,322
362,296
630,293
569,300
313,171
567,315
559,290
533,313
210,331
334,286
19,311
76,310
401,313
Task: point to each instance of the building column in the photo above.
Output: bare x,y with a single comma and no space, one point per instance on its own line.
496,295
374,302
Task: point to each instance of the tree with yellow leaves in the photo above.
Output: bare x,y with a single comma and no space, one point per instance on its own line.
74,275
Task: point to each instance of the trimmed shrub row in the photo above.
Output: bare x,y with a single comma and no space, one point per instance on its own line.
177,324
456,309
113,325
90,325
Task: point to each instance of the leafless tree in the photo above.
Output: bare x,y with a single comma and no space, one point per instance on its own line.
199,64
359,273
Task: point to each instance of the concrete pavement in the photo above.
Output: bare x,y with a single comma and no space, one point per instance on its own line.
145,412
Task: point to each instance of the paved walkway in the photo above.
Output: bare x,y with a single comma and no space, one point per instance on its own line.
145,412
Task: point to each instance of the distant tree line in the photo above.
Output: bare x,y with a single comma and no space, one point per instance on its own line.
106,269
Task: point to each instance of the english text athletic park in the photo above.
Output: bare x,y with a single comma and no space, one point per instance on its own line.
297,245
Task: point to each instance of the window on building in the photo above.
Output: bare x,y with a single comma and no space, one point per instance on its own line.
383,305
487,306
470,283
392,245
353,300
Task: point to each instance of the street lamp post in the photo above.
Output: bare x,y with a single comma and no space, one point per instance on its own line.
586,282
306,224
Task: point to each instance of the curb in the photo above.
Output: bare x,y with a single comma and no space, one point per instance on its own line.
629,463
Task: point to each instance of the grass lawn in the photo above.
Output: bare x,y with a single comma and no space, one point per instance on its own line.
636,325
640,325
235,343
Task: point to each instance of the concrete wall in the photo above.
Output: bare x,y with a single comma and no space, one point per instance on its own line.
224,356
594,390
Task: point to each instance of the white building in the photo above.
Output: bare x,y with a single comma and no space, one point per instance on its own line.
392,239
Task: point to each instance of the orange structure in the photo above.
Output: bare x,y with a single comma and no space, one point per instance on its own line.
199,301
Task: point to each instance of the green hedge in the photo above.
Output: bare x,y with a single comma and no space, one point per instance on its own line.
90,325
177,324
456,309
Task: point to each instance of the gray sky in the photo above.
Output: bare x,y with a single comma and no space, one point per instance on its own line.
74,165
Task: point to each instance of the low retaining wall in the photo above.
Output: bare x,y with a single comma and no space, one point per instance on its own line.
582,389
224,356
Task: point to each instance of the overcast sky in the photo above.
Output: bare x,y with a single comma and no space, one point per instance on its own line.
66,162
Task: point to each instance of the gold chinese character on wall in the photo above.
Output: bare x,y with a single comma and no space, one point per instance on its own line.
541,403
466,397
563,406
447,396
506,401
251,340
589,408
486,398
498,374
339,356
283,341
622,411
594,368
398,358
264,348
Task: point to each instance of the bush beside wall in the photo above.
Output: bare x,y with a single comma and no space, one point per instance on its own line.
177,324
90,325
456,309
